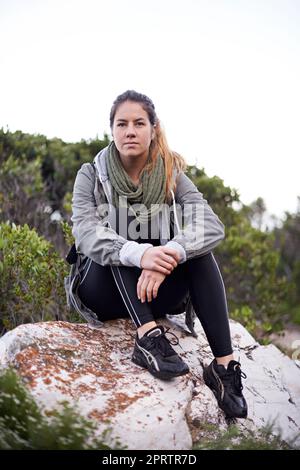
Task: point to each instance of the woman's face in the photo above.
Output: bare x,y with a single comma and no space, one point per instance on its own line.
132,130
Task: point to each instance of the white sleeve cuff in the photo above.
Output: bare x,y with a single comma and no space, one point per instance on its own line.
131,253
176,246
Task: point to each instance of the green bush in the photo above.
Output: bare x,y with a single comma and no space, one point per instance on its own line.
255,291
22,194
287,242
37,177
59,161
32,278
67,231
23,426
234,439
250,263
220,197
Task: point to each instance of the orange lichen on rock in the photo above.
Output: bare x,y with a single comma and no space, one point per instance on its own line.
118,403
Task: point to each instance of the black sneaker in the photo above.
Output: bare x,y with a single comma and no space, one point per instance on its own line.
154,352
227,387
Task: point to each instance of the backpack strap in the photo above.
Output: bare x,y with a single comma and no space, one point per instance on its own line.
72,256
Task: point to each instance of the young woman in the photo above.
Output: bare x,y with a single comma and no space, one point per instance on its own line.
145,235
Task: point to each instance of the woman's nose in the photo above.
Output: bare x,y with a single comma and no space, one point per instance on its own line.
130,130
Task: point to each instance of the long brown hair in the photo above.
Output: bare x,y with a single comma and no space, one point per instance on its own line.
159,145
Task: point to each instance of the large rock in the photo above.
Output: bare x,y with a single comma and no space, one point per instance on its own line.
92,368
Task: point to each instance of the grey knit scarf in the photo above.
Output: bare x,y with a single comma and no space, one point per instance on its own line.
151,189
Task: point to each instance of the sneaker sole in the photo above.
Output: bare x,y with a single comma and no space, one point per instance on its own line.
210,385
158,374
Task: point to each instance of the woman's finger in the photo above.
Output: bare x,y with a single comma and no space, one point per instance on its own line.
171,252
149,290
169,259
161,269
143,290
138,286
166,265
163,264
155,289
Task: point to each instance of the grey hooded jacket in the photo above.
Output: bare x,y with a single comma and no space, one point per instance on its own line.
197,229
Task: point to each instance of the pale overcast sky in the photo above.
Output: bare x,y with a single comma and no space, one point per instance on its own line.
224,76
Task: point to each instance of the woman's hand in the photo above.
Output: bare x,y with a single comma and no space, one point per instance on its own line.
161,259
148,284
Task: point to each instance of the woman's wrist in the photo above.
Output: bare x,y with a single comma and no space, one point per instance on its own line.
132,252
176,246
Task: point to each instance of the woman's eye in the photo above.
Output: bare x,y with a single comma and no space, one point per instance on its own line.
122,124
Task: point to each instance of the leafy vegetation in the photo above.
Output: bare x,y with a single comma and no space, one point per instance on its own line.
32,274
256,287
234,439
287,242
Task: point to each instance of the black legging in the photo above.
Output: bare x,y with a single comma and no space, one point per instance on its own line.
111,294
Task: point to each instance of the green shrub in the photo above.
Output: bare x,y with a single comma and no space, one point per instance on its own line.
23,426
255,291
287,242
22,193
233,439
32,278
220,197
58,161
67,231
